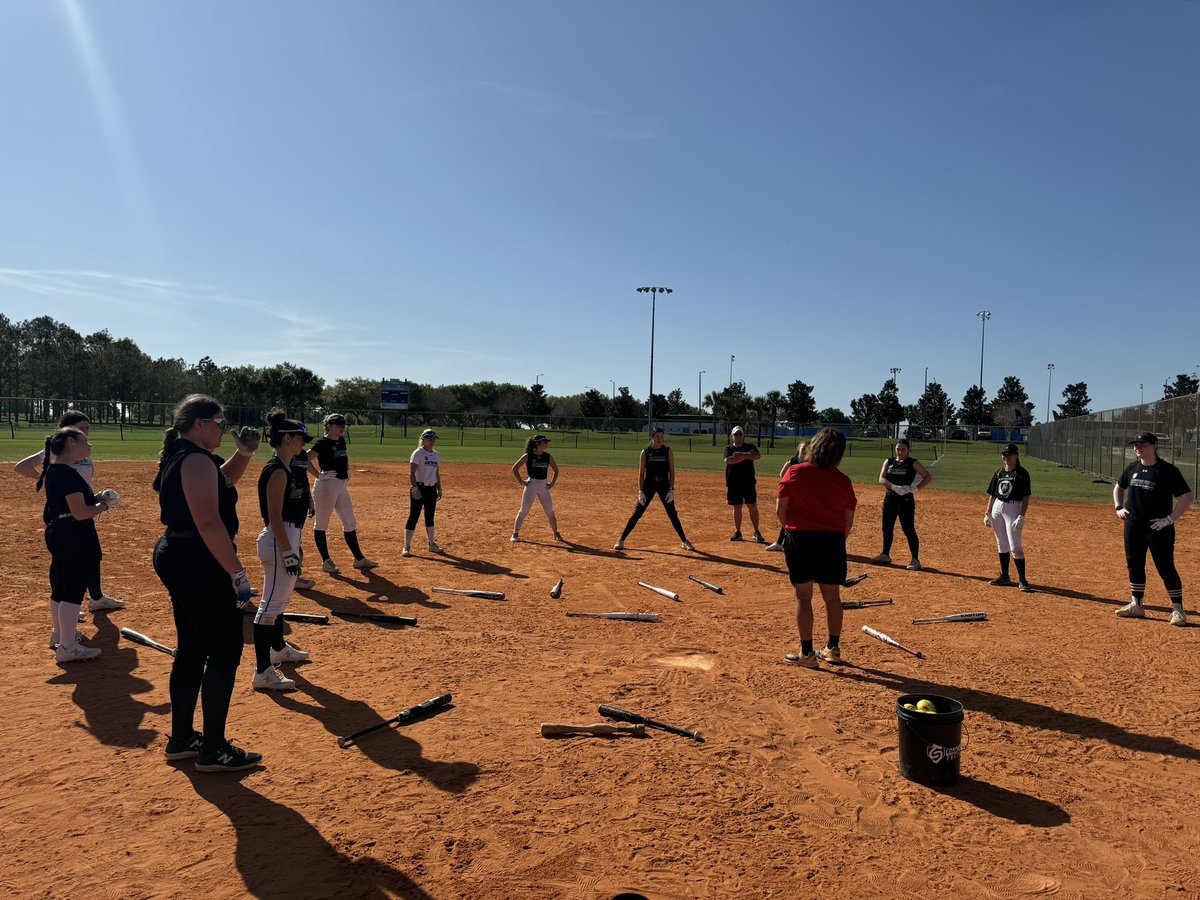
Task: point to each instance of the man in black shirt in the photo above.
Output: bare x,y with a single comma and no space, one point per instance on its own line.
1143,496
740,482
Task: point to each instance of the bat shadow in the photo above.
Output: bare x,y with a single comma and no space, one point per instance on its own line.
479,566
378,586
105,689
279,853
1023,712
1023,809
731,561
389,748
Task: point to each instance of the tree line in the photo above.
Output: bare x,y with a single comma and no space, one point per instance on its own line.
44,362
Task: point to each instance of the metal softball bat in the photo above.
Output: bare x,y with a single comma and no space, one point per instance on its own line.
626,616
711,587
556,591
401,718
863,604
891,642
957,617
670,595
483,595
138,638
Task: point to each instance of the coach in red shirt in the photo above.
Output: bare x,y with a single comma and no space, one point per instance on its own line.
816,508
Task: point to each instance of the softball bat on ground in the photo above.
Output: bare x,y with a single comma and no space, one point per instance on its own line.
671,595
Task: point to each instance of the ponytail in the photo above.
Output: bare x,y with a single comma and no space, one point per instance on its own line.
170,436
54,446
45,464
529,445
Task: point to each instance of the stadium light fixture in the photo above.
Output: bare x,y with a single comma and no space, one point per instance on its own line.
653,292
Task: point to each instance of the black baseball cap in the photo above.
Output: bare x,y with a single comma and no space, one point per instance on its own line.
428,432
540,439
1010,448
1145,437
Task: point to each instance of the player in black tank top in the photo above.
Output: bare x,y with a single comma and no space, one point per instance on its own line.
897,475
538,465
656,476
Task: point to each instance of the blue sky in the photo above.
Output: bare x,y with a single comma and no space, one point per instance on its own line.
452,192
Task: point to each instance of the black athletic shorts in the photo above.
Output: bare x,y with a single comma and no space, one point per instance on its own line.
818,556
738,494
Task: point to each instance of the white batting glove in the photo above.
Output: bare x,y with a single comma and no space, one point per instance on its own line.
291,563
904,490
671,495
111,498
247,440
1018,524
416,492
1160,524
896,489
642,501
241,586
987,520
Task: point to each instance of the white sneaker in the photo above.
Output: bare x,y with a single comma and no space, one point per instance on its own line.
66,653
1178,617
305,584
271,680
808,660
914,566
330,566
407,551
687,545
288,654
516,538
54,638
1132,610
105,602
830,654
365,563
619,545
435,548
775,548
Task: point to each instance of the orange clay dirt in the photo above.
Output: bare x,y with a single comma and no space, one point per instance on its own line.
1079,780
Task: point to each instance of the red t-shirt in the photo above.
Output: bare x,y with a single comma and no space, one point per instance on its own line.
817,498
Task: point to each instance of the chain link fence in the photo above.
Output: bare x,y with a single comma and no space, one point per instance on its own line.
1099,443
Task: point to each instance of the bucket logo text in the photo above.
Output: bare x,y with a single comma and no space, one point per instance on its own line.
937,753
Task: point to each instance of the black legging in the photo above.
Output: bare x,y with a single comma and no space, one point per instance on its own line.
429,499
659,489
208,624
1138,539
904,508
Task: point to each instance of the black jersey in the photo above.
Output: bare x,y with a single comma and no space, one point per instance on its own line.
658,464
537,466
62,481
295,507
300,474
332,456
1012,486
173,506
740,474
901,471
1150,491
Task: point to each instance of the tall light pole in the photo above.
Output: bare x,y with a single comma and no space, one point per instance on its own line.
699,398
1142,388
896,371
927,378
614,387
1049,378
731,368
539,378
984,315
653,292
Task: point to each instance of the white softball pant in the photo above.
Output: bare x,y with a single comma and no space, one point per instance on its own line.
1004,513
278,584
329,495
536,489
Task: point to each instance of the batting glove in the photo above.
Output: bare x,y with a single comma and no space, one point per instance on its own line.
241,585
642,501
1160,524
111,498
439,492
1018,523
987,520
671,495
291,563
416,492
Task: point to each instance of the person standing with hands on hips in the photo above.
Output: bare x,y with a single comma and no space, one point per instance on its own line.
538,464
332,493
1008,501
197,560
425,488
816,505
897,475
740,482
284,507
1143,497
656,477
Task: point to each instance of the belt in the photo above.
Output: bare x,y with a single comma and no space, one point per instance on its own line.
181,533
427,483
66,515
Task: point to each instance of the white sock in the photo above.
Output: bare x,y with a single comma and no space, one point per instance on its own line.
68,619
408,536
429,530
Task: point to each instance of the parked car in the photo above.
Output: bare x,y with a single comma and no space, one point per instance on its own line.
871,432
959,434
917,433
983,433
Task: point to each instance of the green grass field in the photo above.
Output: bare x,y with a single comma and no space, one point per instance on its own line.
964,466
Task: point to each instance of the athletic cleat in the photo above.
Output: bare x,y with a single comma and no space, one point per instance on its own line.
619,545
1002,581
188,749
914,566
830,654
687,545
1025,587
558,537
736,536
228,759
330,566
365,563
271,680
808,660
288,654
68,653
435,548
1132,610
407,551
758,538
54,638
1178,617
305,584
882,560
775,548
515,539
105,602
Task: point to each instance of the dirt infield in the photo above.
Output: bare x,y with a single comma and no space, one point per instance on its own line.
1079,778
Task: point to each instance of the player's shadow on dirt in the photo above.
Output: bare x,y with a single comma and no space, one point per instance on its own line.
390,748
1022,712
281,854
376,585
1023,809
105,689
478,566
707,556
1092,598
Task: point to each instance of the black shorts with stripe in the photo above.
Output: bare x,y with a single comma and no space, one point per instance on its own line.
818,556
